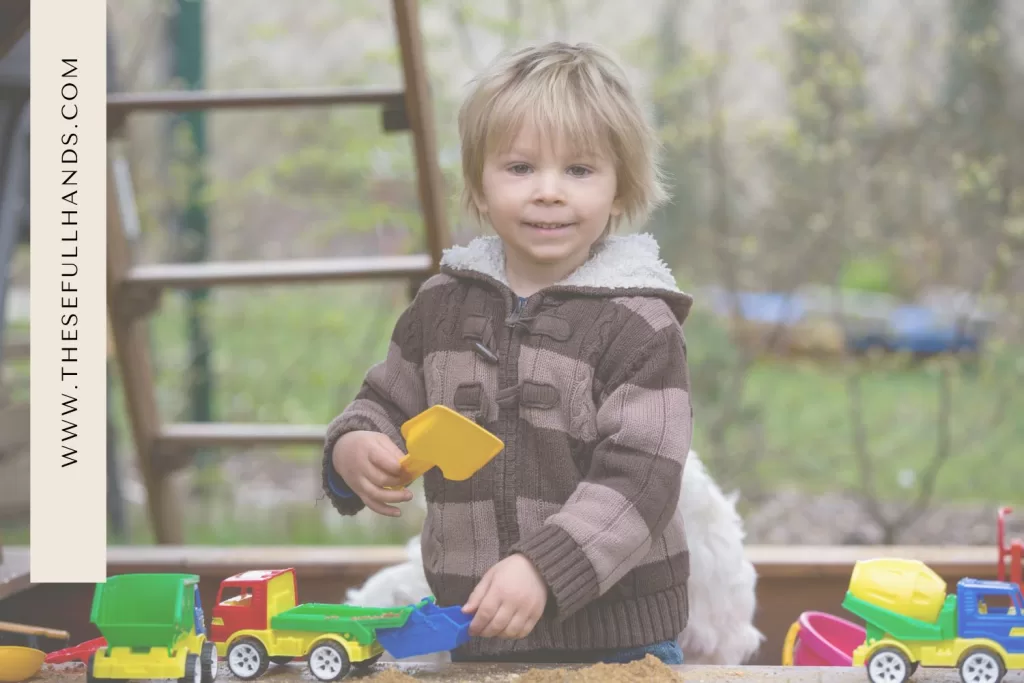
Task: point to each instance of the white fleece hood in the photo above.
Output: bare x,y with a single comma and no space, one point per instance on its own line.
619,265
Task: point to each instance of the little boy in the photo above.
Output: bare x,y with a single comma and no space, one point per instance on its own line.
565,341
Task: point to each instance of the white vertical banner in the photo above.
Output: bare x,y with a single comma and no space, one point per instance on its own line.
68,317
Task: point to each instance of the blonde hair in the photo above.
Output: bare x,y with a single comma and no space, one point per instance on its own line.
573,92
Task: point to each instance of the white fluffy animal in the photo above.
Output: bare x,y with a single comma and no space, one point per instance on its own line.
722,581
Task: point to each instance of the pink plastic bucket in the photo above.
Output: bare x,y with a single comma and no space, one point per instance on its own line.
820,639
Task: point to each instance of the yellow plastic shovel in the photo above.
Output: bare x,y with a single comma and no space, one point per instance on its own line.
440,437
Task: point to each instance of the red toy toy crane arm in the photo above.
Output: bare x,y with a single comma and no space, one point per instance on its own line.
1011,555
1004,552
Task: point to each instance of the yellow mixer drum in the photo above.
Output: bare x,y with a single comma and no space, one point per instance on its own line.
907,587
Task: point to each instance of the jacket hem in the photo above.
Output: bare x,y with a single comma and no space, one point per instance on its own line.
601,625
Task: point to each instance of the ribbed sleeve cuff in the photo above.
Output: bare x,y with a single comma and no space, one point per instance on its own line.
343,425
344,500
568,573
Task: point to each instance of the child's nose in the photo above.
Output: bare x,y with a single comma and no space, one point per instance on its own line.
549,188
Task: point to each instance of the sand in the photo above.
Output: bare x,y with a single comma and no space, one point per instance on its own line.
650,669
647,670
391,676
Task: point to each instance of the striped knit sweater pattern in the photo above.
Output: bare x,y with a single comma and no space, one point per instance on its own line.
586,383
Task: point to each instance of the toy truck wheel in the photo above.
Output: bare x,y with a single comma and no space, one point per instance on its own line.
247,659
888,665
90,669
193,670
208,662
328,661
981,665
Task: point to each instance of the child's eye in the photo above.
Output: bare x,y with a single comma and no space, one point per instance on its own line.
579,171
519,169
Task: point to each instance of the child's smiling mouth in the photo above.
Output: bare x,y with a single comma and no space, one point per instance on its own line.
548,226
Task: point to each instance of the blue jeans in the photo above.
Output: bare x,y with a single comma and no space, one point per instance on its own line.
668,651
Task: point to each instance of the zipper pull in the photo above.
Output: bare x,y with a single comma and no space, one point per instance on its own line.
517,311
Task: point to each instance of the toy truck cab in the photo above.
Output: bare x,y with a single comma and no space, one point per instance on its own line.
993,610
153,627
247,601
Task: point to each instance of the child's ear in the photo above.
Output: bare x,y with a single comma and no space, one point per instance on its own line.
479,202
616,208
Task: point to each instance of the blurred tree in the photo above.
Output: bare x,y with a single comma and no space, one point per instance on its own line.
676,223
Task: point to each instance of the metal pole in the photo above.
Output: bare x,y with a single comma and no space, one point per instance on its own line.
188,42
115,499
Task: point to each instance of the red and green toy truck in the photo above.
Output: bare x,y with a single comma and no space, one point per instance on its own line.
258,621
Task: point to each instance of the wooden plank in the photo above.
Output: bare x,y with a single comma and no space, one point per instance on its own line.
191,100
793,562
510,673
226,434
325,561
421,120
213,274
784,561
131,347
770,561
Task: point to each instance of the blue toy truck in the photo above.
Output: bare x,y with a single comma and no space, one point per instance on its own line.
911,621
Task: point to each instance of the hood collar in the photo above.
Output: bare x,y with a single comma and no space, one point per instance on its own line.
620,265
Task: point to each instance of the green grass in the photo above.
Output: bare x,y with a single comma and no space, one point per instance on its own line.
808,429
292,355
795,428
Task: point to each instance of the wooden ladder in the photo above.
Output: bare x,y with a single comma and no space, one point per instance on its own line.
133,291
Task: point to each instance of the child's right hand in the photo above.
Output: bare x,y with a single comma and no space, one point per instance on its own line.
369,464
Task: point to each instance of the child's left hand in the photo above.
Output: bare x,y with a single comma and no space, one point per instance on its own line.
508,601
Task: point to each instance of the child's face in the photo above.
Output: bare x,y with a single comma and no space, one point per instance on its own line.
547,204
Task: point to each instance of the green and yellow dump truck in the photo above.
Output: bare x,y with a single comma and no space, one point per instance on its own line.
154,629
